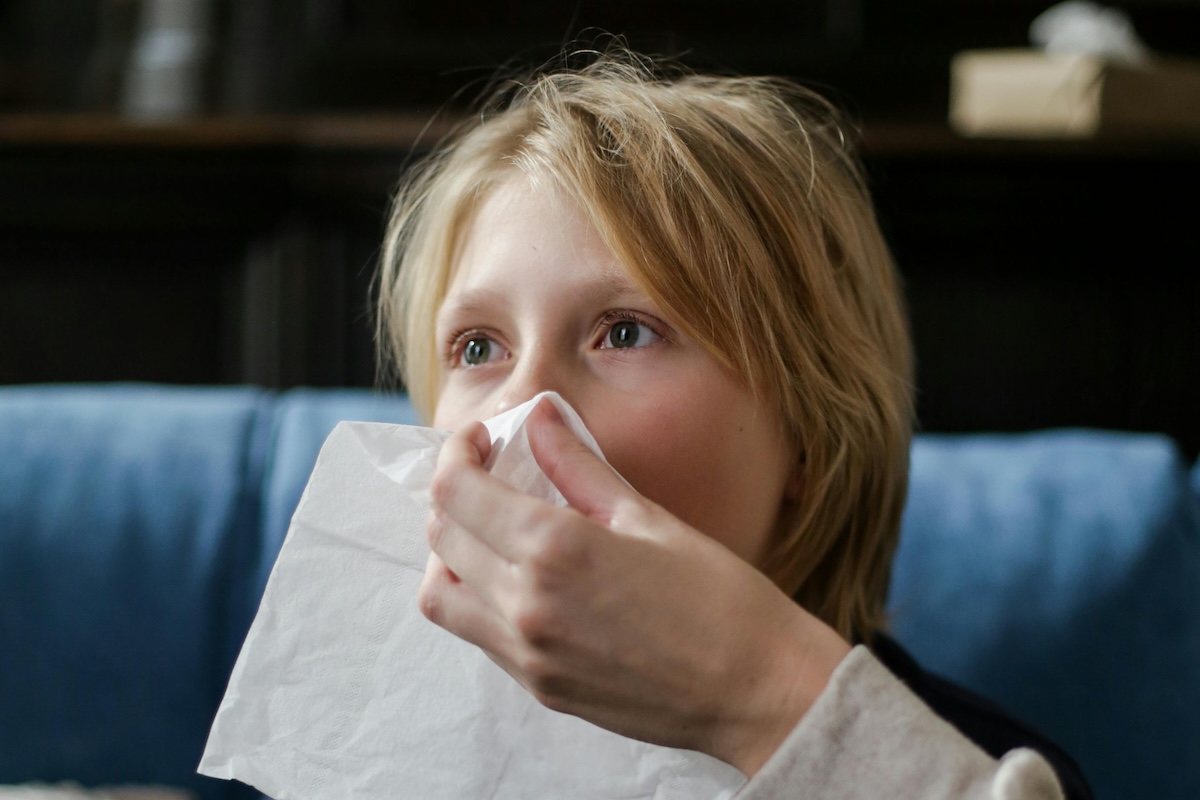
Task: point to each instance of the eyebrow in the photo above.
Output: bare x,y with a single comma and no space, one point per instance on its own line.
609,286
469,301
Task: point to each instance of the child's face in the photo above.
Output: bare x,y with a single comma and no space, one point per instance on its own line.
538,302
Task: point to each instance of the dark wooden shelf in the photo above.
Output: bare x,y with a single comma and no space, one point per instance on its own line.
403,131
1051,283
372,132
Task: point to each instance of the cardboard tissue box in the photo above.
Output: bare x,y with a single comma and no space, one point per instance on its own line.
1030,93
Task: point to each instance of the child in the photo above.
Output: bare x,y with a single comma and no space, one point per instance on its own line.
694,264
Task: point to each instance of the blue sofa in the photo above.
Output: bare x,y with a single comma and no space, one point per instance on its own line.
1055,572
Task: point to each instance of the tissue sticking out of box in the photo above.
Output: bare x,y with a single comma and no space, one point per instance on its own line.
343,688
1078,26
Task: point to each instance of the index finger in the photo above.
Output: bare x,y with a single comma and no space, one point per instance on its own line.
589,484
482,504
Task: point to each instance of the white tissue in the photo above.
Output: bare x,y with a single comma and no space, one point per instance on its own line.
344,690
1079,26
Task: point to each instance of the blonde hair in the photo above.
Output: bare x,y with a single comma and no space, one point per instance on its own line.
738,208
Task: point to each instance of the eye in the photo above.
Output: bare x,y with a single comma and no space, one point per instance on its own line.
625,332
475,350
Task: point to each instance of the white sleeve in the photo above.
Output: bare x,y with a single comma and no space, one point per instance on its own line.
868,736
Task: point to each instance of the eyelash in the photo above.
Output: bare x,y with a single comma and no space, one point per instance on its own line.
613,317
457,340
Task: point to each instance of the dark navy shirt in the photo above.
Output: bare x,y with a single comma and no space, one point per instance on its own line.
981,721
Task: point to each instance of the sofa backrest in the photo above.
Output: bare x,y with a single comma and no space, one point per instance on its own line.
1057,573
137,528
126,516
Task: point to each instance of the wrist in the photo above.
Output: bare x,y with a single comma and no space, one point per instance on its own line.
798,661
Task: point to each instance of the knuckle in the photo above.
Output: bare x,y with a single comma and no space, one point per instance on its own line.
541,678
629,514
551,699
441,488
435,531
536,624
531,666
557,555
429,604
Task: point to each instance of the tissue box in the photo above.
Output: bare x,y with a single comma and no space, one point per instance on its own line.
1027,93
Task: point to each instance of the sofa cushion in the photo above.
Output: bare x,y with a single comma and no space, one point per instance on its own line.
1196,480
1058,573
302,419
126,514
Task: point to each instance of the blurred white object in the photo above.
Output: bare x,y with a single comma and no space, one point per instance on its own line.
166,70
1078,26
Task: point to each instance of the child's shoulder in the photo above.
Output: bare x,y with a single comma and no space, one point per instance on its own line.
987,725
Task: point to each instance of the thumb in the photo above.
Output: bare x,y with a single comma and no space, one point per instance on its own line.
589,485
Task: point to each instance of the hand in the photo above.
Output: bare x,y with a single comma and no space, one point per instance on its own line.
615,611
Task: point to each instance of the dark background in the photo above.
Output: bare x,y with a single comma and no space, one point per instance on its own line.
885,58
1050,283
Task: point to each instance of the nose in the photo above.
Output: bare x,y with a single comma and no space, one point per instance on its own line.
541,369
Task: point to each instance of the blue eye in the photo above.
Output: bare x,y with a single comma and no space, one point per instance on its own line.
628,333
479,350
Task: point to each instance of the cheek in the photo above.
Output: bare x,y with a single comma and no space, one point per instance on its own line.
722,476
667,458
457,405
446,414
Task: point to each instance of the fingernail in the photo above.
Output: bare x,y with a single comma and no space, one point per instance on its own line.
550,410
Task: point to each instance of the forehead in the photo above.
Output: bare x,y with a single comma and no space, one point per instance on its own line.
522,223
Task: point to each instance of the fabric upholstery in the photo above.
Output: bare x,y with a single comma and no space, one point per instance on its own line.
127,520
1058,573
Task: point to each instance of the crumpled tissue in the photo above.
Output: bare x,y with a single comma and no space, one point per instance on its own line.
344,690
